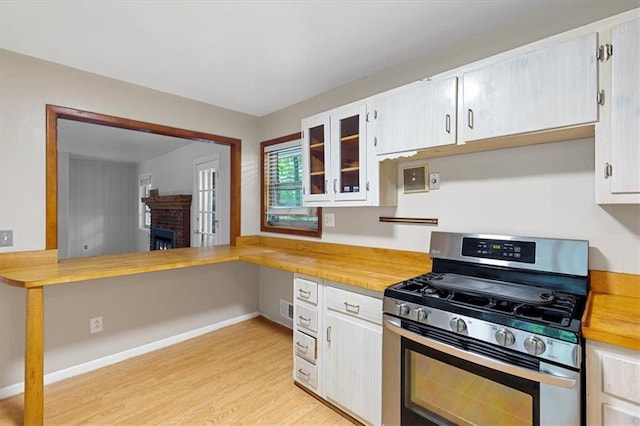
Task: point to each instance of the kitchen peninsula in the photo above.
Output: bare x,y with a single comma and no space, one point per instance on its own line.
368,268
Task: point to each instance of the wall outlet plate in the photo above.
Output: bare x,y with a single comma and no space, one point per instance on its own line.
95,325
329,220
6,238
434,181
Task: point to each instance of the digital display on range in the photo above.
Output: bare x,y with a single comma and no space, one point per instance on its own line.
513,251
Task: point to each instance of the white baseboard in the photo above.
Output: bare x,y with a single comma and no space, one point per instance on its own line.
85,367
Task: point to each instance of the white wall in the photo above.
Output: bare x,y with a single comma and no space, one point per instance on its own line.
26,86
173,173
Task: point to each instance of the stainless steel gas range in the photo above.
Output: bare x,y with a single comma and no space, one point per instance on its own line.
491,336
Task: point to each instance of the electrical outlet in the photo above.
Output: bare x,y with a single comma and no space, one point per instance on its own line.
434,181
329,220
6,238
95,325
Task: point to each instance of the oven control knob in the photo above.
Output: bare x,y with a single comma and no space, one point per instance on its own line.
421,315
505,337
534,345
458,325
402,309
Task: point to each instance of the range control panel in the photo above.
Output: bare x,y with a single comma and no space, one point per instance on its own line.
513,251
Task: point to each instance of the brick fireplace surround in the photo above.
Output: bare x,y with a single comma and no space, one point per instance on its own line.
173,213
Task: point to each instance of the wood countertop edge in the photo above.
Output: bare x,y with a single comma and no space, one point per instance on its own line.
321,265
591,331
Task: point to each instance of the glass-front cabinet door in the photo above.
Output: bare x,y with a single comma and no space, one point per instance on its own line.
348,126
317,157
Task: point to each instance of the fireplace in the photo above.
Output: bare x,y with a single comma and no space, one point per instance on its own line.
162,239
170,220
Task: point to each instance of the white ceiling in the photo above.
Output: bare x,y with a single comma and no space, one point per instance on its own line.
250,56
113,144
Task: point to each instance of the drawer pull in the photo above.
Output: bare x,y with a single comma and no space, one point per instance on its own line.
302,348
303,319
354,309
305,294
303,374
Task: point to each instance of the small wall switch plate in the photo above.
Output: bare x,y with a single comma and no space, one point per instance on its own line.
434,180
95,325
329,220
6,238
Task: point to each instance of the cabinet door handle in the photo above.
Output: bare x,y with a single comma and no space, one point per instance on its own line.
354,309
329,334
470,118
335,188
302,348
326,186
304,294
447,123
303,374
303,319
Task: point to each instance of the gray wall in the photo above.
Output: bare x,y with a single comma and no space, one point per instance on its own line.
26,86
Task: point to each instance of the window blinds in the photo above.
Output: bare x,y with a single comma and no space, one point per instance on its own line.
283,175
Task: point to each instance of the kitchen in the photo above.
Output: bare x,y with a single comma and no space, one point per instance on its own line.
559,175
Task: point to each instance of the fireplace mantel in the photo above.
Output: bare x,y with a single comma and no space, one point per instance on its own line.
172,213
155,201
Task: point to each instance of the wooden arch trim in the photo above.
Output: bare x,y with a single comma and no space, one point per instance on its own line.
53,113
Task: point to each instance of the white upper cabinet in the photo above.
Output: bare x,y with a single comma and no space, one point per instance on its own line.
340,167
316,156
416,116
545,89
348,130
618,133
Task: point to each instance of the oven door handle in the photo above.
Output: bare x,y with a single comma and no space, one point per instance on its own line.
549,379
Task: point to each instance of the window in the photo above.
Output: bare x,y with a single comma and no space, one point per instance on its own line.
281,189
144,211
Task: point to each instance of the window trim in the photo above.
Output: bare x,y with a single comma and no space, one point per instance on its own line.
264,226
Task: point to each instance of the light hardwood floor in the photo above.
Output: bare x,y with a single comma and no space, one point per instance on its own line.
237,375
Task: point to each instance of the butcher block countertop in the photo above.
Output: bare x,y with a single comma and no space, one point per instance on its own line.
368,268
612,314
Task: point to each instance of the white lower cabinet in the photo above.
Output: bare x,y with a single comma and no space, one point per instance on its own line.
613,385
307,331
353,353
342,360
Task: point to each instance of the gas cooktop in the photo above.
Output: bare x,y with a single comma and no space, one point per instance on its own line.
524,294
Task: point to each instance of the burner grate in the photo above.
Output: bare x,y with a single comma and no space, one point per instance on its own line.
558,311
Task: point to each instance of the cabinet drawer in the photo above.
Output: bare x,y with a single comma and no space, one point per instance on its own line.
620,377
354,304
306,318
305,372
304,346
306,290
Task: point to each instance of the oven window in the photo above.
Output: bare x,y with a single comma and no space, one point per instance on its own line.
450,391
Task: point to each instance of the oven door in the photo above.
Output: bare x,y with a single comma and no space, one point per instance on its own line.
445,379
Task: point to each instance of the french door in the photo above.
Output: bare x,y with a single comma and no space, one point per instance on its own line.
206,193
